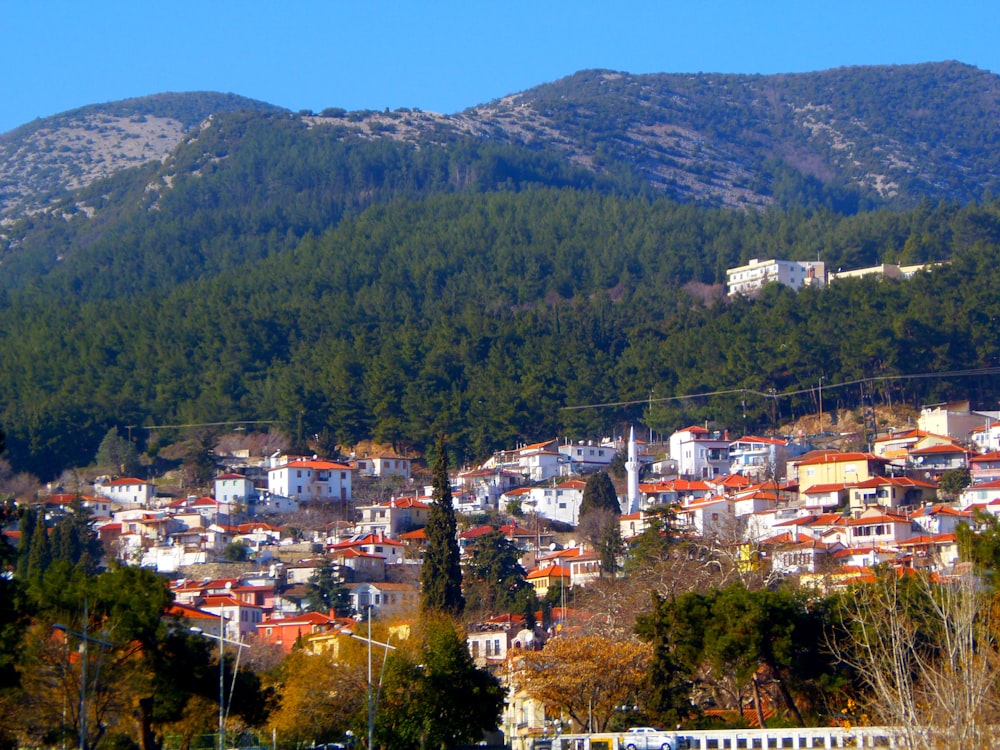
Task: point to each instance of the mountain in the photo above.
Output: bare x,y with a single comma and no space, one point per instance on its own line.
50,156
400,275
888,135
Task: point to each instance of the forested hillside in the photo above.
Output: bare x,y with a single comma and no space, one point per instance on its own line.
399,275
484,315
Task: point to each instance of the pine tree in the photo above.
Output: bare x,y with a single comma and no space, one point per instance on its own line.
441,574
324,591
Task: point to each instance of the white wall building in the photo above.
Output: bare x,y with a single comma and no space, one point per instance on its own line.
748,279
127,491
699,453
310,479
557,502
586,457
233,488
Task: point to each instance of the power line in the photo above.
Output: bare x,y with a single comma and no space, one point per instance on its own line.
785,394
208,424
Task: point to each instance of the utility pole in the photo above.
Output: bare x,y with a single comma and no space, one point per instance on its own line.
820,429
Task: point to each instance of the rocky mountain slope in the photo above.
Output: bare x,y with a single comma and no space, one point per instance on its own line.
50,156
849,137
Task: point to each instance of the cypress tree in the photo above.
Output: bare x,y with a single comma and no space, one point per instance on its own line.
40,552
27,529
441,574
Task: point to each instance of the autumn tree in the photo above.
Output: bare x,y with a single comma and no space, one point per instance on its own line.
587,677
441,572
318,698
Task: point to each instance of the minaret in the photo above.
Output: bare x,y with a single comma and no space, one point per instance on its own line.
632,468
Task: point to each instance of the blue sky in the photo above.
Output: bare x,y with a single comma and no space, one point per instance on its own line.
444,56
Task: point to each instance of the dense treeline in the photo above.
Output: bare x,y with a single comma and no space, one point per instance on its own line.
485,315
248,187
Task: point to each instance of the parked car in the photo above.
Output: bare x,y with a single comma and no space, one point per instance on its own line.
651,738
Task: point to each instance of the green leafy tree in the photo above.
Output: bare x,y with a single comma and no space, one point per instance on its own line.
236,552
325,592
27,520
437,698
494,577
441,572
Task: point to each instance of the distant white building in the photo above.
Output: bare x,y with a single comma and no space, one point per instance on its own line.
748,279
234,488
310,479
954,419
557,502
127,491
383,466
700,454
586,457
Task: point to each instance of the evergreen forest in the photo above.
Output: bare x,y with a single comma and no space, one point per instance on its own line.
277,271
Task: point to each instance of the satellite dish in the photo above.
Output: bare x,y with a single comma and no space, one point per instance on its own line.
229,585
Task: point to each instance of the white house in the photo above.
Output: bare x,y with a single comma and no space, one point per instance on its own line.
708,517
127,491
557,502
537,462
757,457
310,479
394,516
986,437
699,453
941,519
586,457
233,488
383,466
387,600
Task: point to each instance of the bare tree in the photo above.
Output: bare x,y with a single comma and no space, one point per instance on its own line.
927,656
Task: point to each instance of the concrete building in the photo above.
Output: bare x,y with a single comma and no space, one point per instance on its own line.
748,279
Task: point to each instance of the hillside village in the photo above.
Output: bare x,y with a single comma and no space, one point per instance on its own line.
826,516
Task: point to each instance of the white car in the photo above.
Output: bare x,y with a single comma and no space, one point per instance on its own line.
648,738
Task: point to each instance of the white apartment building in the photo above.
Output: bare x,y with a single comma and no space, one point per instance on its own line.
746,280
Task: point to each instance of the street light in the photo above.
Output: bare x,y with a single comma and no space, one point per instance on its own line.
85,639
221,638
387,647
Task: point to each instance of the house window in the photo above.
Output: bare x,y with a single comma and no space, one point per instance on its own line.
496,647
489,649
475,649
